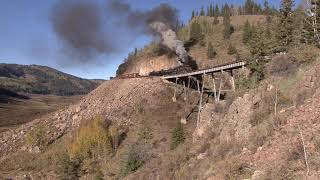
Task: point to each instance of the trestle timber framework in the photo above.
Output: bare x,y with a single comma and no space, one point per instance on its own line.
196,80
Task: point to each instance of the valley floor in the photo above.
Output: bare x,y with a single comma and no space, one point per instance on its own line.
18,111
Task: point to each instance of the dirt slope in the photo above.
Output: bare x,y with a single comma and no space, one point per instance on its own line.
115,100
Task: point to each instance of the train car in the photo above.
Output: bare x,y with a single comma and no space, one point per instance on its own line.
131,75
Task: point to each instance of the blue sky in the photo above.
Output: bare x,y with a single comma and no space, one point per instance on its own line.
26,35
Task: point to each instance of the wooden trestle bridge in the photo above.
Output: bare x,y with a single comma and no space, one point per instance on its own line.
196,80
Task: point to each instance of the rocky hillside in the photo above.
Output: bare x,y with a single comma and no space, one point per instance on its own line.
125,103
137,129
43,80
239,138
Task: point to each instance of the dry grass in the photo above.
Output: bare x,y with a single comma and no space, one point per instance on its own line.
286,85
305,53
93,140
17,112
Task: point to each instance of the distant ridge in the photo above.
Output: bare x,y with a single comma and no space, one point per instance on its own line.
38,79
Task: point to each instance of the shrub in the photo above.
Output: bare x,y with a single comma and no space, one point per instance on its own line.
202,43
244,83
211,53
305,53
133,161
257,68
257,73
283,65
286,84
238,170
91,166
232,50
98,175
178,136
145,132
93,140
36,137
66,168
158,50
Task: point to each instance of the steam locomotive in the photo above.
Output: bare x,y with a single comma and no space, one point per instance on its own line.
187,66
178,70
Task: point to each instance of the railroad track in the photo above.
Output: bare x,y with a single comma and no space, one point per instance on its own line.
185,72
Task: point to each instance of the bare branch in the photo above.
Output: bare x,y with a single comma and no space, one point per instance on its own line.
305,151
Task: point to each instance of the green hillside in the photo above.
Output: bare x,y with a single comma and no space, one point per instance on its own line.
43,80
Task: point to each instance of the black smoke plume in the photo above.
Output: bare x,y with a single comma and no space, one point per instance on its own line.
88,30
141,20
79,25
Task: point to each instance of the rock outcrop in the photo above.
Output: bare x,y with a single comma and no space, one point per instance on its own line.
148,65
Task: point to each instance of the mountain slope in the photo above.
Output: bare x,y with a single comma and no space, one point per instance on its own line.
117,101
43,80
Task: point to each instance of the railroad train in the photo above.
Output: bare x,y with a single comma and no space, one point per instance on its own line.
178,70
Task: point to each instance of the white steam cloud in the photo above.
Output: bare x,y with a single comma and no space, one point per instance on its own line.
170,39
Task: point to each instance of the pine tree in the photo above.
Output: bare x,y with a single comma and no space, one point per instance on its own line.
311,23
192,15
211,53
274,11
226,10
247,33
241,10
257,9
178,136
217,10
266,8
298,17
231,10
228,28
248,7
267,12
135,51
196,32
256,42
285,26
211,11
268,25
261,44
202,13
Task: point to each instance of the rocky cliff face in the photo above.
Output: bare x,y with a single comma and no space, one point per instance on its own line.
147,65
158,64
